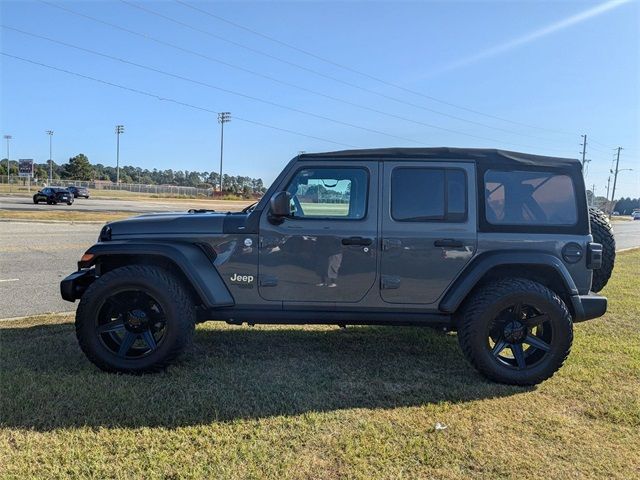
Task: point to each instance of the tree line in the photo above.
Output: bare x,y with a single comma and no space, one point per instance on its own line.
79,168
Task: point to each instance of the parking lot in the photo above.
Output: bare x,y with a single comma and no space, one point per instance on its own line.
134,205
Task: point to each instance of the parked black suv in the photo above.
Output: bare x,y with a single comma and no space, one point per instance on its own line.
495,245
79,191
53,195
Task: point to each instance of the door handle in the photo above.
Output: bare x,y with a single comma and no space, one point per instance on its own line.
357,241
448,243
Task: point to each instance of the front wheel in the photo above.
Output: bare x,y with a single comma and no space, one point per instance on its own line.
135,319
516,331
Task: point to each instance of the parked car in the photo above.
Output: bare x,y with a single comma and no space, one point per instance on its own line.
79,191
53,195
498,246
636,215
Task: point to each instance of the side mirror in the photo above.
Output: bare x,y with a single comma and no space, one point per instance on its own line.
280,207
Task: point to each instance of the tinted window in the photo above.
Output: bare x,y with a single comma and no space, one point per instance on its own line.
329,193
529,198
428,194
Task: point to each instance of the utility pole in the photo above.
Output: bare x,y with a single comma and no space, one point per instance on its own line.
608,184
119,130
615,179
50,133
584,150
223,117
8,139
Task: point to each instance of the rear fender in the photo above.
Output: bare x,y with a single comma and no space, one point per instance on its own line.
485,263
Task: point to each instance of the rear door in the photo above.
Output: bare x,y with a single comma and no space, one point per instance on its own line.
428,228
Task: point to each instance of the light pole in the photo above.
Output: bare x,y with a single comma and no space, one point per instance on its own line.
223,117
8,138
50,133
119,130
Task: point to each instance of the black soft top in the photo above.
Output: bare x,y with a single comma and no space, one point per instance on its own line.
481,156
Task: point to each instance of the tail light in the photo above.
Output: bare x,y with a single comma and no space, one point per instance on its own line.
594,256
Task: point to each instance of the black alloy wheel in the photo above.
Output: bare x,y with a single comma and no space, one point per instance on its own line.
131,324
520,336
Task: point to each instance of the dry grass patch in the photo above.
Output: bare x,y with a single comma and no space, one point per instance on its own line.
69,215
322,403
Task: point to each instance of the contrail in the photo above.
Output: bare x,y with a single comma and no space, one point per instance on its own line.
536,34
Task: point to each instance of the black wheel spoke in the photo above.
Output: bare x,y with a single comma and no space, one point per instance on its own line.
537,343
536,320
127,341
518,354
498,347
147,336
115,326
517,311
119,305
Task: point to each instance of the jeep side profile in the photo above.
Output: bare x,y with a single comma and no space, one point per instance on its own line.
496,245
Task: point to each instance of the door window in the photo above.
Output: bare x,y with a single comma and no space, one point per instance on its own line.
428,194
334,193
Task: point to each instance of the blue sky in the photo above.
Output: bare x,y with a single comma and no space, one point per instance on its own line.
554,70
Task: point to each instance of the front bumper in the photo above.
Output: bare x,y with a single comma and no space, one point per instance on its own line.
587,307
73,286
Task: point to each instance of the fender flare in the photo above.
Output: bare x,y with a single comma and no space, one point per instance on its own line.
473,273
195,264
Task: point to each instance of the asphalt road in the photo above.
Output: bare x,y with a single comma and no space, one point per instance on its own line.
25,203
34,257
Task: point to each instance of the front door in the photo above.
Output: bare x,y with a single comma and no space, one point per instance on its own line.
326,251
428,228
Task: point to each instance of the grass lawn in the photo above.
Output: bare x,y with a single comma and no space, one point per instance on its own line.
322,403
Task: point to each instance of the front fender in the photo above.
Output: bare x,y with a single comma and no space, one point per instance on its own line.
196,265
474,272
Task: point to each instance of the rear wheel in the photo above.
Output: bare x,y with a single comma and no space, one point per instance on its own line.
516,331
135,319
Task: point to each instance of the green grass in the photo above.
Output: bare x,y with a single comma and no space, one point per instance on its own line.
322,403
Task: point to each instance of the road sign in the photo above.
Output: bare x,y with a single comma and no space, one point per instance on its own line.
25,167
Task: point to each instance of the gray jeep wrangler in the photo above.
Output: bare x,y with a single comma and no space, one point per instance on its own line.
495,245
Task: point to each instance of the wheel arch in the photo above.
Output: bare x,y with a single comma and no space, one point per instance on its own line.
192,264
541,267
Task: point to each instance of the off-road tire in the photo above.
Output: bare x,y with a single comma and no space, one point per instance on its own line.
35,201
166,289
479,312
603,234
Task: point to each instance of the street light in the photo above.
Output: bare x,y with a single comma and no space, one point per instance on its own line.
50,133
119,130
8,138
223,117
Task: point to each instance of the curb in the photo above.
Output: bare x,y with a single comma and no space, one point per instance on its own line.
627,249
35,316
33,220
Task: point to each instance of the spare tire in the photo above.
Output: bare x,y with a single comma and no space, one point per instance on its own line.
602,234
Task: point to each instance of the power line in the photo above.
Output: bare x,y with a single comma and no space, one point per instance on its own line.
323,75
171,100
215,87
305,89
364,74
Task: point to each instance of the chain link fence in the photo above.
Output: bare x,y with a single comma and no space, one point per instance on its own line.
14,183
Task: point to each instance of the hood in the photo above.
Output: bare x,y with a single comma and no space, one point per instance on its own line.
174,223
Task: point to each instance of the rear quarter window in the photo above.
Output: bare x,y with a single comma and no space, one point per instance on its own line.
529,198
